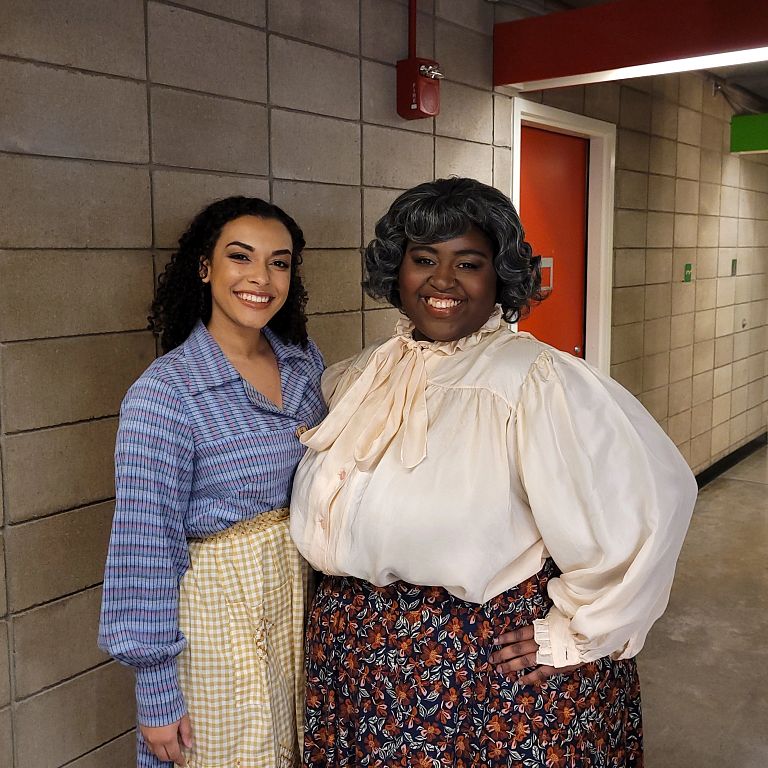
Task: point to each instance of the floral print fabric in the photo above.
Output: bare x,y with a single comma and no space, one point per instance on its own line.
400,676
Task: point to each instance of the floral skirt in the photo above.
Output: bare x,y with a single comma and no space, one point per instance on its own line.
400,676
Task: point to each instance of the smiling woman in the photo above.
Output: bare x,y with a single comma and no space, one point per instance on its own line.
203,590
448,289
498,522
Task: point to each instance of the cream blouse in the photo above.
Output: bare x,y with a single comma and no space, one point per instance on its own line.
464,464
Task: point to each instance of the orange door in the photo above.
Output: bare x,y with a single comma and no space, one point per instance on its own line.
553,209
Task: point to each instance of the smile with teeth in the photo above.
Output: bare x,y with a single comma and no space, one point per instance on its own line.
442,303
253,298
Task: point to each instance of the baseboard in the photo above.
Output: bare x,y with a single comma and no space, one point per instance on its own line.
723,465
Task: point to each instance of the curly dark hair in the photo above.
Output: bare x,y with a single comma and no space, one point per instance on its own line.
182,298
440,210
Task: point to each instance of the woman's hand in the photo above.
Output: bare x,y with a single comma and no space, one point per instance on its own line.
166,741
518,652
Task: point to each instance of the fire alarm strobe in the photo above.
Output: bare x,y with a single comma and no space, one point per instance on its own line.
418,80
418,88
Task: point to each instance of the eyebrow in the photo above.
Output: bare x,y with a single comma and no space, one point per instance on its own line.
463,252
282,252
242,245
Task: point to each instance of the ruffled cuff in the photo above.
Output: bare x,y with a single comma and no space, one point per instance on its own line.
159,700
557,647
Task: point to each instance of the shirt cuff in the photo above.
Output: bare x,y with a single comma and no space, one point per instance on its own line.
159,700
557,647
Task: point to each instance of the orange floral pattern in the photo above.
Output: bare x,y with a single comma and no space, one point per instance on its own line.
399,676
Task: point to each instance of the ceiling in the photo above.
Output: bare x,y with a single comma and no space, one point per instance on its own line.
745,77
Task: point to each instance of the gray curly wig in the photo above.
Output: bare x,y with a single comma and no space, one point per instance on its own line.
440,210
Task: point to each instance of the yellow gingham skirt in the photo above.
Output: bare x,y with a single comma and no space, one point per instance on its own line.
241,608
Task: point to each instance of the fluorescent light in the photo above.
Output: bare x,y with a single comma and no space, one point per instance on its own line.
646,70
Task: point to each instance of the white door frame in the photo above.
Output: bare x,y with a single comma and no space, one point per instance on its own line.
602,164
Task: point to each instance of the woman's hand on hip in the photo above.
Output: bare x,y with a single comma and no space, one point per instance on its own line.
166,741
516,651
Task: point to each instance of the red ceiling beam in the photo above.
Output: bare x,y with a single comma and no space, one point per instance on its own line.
624,33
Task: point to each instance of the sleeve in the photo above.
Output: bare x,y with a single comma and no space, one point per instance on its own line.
148,551
612,498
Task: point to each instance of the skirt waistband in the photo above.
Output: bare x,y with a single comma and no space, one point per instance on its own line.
244,527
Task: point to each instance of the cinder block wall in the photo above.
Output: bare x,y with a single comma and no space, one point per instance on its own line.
120,119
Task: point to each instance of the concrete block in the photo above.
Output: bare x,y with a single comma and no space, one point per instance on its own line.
177,196
49,111
56,641
465,113
105,205
334,23
462,158
380,324
469,14
5,674
83,292
120,753
73,33
385,31
72,465
502,120
71,379
338,335
328,214
314,148
79,715
252,12
75,547
332,280
197,52
313,79
196,131
465,56
6,739
394,158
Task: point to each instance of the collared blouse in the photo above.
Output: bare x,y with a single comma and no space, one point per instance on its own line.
464,464
198,449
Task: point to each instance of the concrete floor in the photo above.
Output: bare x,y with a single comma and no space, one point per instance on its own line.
704,669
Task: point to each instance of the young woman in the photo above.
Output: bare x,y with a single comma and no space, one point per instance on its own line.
204,592
499,521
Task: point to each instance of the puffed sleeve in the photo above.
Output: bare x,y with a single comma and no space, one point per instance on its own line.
612,498
148,551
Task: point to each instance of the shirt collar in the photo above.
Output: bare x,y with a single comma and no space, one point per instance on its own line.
209,367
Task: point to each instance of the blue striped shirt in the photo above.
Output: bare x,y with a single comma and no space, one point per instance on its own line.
198,449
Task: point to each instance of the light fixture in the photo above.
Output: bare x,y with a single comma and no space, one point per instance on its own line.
627,39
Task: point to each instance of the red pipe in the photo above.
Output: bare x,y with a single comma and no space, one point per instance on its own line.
412,29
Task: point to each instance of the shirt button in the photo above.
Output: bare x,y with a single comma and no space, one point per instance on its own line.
301,429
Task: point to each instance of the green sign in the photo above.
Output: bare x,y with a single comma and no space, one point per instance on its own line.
687,273
749,133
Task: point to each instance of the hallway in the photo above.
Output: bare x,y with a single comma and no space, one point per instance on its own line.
704,669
